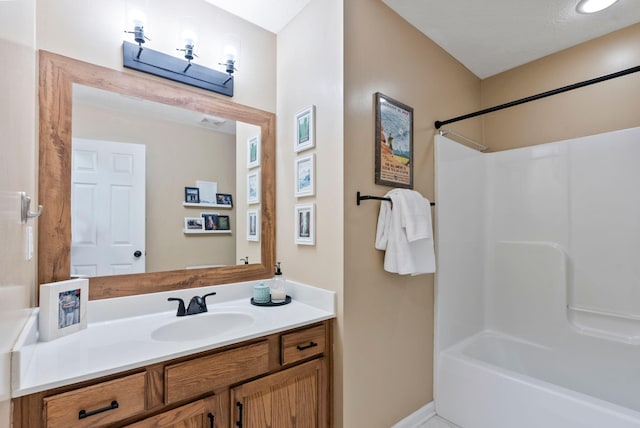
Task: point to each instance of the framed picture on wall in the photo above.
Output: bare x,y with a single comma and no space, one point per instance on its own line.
192,195
253,226
305,224
63,308
253,188
210,221
305,129
193,223
253,152
305,175
394,142
223,223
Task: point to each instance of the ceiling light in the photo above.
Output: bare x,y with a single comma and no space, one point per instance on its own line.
592,6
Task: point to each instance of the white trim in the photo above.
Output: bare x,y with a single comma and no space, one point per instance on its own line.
418,418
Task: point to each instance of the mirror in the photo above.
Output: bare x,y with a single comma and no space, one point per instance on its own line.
148,220
58,75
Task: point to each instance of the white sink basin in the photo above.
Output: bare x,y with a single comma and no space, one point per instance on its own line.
202,326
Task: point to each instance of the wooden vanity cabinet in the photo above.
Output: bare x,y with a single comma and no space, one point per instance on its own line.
281,380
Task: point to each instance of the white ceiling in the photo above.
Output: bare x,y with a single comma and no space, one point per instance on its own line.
491,36
271,15
487,36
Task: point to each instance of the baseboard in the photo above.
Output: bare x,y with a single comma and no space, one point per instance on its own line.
419,417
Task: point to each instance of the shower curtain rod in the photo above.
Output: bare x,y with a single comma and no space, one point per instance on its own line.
631,70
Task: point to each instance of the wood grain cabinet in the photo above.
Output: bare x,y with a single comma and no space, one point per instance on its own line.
278,381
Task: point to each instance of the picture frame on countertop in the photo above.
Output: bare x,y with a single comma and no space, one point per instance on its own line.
253,152
253,226
305,129
63,308
305,224
305,176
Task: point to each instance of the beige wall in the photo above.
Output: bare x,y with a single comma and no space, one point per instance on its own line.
93,31
310,71
388,319
17,173
176,156
602,107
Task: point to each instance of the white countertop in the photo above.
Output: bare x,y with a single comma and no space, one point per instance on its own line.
119,333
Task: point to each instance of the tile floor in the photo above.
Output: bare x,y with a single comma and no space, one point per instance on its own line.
438,422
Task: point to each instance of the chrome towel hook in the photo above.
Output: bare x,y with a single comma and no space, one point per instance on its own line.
25,212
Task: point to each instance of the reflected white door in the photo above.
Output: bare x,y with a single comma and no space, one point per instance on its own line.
107,208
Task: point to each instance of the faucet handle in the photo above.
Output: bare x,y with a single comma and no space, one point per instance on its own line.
181,310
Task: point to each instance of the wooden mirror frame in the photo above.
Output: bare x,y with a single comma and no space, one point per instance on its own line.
56,79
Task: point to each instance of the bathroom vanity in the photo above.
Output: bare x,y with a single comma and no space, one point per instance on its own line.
274,370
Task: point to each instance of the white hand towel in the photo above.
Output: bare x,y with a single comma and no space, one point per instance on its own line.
403,256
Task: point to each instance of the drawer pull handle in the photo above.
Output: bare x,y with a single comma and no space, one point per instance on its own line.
84,414
310,345
239,423
212,420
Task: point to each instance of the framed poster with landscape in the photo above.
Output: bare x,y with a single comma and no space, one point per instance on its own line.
394,143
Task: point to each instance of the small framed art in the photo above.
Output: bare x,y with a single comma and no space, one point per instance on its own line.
253,152
305,175
223,223
210,221
253,188
193,223
224,199
63,308
394,143
253,226
305,224
305,129
192,195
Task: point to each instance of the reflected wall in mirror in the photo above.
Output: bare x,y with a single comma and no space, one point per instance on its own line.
58,76
181,147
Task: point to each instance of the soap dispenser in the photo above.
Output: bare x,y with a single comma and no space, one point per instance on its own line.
278,290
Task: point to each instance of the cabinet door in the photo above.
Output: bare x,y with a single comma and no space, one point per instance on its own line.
292,398
211,412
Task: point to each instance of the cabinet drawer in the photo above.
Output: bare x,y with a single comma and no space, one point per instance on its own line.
302,344
96,405
201,375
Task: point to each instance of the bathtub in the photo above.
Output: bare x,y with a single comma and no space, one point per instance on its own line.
492,380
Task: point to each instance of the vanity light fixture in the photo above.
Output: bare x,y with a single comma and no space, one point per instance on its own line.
592,6
149,61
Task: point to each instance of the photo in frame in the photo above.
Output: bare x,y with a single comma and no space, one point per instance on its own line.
305,224
193,223
253,152
63,308
305,176
305,129
224,199
394,142
223,223
192,195
210,221
253,225
253,188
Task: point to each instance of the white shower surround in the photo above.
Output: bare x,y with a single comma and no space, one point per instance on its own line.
538,247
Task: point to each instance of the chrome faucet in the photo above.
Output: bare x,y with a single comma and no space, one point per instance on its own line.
197,305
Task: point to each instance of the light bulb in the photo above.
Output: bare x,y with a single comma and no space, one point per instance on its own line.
137,18
592,6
